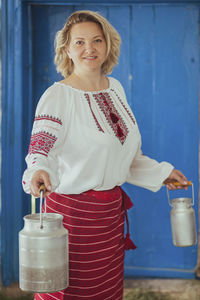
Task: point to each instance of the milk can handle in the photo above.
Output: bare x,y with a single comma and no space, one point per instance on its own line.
42,192
191,184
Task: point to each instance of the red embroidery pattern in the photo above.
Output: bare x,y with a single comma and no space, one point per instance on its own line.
49,118
98,125
41,143
112,116
126,109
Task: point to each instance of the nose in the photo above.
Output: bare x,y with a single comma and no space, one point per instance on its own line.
89,47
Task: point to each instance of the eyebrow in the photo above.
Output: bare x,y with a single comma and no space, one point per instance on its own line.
80,38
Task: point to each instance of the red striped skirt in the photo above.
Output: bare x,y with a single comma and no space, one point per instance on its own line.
95,221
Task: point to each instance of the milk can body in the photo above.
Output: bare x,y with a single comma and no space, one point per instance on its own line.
43,254
183,222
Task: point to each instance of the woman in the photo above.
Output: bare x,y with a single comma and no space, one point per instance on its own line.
85,144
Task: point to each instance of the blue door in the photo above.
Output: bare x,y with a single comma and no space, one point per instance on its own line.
159,69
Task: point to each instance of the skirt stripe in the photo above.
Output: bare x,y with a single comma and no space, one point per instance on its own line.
95,221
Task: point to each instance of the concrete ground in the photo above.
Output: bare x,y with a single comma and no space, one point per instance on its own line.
174,289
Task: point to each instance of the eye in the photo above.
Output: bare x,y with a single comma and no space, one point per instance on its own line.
79,43
98,41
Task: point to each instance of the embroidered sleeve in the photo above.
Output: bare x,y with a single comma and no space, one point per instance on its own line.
41,143
46,139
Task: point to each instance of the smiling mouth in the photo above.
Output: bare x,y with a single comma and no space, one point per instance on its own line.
90,57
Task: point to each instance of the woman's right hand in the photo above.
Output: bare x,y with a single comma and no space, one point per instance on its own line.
40,177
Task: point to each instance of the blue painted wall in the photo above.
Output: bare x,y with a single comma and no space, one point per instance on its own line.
159,69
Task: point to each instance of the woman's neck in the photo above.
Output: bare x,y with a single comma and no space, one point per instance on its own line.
88,82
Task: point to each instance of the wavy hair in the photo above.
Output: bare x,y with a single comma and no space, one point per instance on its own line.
64,64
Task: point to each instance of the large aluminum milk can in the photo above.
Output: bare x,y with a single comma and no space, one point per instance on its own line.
43,253
183,223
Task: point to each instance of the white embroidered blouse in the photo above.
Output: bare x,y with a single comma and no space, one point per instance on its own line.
89,140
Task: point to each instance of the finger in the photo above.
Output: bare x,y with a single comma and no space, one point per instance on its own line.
180,177
39,178
35,187
170,186
34,191
47,183
175,186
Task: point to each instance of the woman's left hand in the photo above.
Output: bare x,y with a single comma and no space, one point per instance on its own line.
176,175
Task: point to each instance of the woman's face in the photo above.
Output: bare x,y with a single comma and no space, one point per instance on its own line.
87,47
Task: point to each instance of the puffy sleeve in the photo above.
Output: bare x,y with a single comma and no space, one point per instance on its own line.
148,173
47,137
144,171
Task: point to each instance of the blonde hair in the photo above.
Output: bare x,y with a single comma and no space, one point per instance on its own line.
64,63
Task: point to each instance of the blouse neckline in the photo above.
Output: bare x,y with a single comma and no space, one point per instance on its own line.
82,91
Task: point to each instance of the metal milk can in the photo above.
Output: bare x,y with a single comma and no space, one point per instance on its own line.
183,223
43,253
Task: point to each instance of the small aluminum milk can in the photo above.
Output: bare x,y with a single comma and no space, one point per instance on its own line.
43,253
183,224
